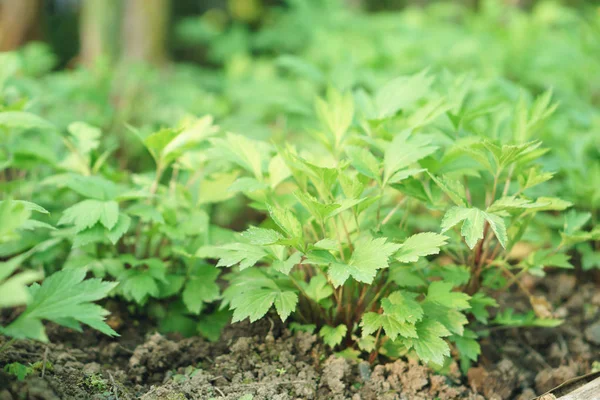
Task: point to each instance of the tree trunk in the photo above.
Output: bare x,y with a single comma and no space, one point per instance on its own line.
99,30
145,29
19,22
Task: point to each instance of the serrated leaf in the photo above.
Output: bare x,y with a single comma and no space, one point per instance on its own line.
452,319
420,245
318,288
83,215
201,288
85,137
260,236
140,286
441,293
336,112
401,93
286,266
372,253
285,304
333,336
364,161
403,306
253,305
467,345
239,253
320,211
394,328
287,222
472,228
65,298
119,229
403,151
479,303
369,256
109,214
452,188
473,225
240,150
429,346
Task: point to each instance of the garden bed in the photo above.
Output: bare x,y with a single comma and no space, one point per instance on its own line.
266,361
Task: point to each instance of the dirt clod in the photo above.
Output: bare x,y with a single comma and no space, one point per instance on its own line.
550,378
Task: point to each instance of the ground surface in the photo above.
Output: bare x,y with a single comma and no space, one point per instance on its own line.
266,361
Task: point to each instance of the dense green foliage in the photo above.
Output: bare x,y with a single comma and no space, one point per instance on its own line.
375,178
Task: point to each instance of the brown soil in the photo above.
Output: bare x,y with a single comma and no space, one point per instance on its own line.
266,361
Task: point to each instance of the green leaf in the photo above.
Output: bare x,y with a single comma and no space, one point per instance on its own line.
467,345
253,305
403,306
287,222
420,245
24,120
452,188
429,345
260,236
317,209
139,286
452,319
83,215
286,266
14,289
401,93
246,185
240,150
109,214
533,178
201,288
497,224
65,298
574,221
479,303
278,171
85,137
370,323
333,336
369,256
372,254
473,225
403,151
441,293
404,277
318,288
146,213
364,161
246,255
392,326
336,113
119,229
472,228
285,304
211,325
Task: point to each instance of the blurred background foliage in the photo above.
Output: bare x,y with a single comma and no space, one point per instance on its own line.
257,65
156,30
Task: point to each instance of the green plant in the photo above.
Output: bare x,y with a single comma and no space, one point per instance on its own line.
349,242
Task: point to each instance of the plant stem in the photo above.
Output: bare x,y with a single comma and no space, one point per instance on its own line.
373,355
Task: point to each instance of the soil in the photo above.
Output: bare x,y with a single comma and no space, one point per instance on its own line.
266,361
